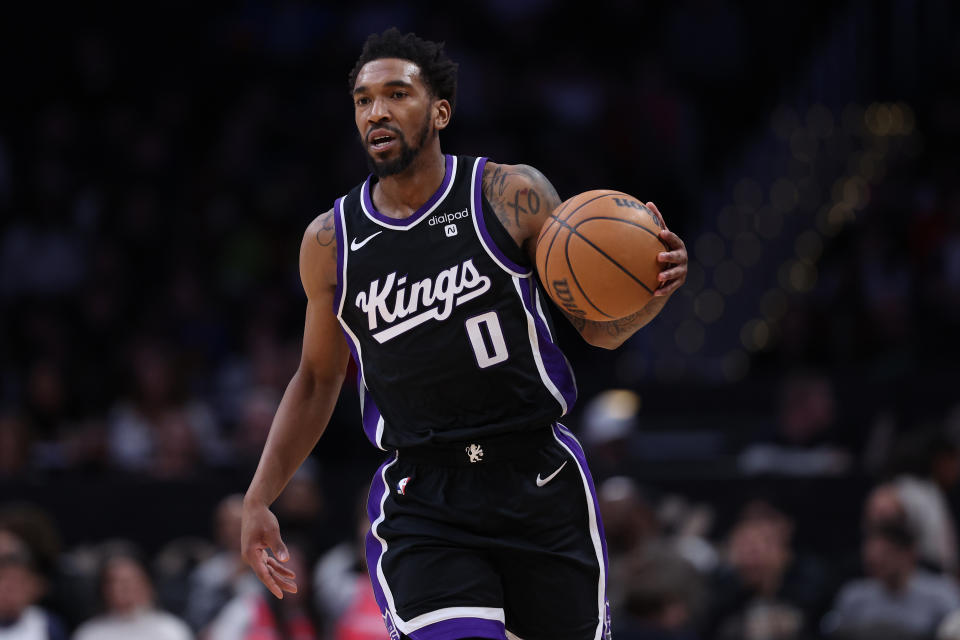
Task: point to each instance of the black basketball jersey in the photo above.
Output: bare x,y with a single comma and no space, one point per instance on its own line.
445,319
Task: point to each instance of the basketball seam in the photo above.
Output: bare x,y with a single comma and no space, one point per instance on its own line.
566,255
633,224
573,231
603,195
553,216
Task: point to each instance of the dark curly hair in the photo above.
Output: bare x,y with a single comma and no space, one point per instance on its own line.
438,71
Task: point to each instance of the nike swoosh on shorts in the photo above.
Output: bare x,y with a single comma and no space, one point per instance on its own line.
541,482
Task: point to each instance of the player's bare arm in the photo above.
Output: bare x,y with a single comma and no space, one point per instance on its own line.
522,199
304,410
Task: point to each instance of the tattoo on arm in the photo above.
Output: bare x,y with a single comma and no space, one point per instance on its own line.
516,191
325,234
622,328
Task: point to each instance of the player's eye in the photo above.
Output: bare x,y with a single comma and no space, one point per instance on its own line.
361,101
399,94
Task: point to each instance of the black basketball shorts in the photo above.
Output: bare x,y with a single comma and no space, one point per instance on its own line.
496,539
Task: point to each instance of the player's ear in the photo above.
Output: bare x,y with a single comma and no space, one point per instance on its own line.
441,114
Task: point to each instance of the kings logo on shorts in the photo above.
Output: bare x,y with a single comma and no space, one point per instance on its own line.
428,299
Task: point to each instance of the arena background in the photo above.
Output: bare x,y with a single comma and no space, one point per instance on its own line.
159,163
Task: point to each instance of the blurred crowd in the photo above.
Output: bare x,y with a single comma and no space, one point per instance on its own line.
681,567
153,192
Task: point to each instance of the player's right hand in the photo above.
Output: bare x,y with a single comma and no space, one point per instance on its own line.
259,537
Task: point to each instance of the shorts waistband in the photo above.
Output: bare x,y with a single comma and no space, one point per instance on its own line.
483,450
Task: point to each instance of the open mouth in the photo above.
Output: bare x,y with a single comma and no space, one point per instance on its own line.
380,140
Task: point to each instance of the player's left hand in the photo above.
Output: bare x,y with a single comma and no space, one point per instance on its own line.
673,263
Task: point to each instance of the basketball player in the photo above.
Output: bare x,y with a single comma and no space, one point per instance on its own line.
484,521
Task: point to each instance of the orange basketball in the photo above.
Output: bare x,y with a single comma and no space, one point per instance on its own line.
597,255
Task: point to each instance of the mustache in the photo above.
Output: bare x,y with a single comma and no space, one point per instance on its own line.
385,127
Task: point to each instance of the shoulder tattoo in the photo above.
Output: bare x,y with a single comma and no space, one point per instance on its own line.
516,191
326,234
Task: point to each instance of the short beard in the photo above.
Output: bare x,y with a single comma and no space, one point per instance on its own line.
407,153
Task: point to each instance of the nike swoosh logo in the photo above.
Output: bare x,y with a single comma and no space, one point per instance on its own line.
543,481
356,245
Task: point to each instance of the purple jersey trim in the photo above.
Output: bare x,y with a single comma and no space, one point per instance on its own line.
554,362
341,249
482,224
370,416
415,217
461,628
369,413
566,437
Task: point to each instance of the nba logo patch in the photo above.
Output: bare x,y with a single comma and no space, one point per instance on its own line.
450,230
402,486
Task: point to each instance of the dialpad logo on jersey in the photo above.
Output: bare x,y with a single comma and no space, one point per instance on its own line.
437,297
392,630
450,230
446,218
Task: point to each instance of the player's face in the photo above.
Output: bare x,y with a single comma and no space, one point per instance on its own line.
394,112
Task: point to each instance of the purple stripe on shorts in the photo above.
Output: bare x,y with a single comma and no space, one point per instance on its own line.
482,225
374,549
461,628
341,248
567,438
419,213
555,363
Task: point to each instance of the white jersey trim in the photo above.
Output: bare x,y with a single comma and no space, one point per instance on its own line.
344,251
594,530
450,613
403,225
492,252
535,348
383,545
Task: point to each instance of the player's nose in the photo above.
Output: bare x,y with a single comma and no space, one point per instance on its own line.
379,111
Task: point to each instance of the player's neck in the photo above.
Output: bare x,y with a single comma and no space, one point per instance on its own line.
400,195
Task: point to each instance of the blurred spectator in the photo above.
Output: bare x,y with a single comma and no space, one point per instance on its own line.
896,599
259,405
764,591
687,525
258,615
129,607
155,430
628,518
661,594
609,420
224,575
21,589
174,565
342,589
805,442
37,530
300,507
923,495
884,504
14,444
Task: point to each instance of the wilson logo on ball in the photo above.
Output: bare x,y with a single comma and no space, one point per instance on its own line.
633,204
562,290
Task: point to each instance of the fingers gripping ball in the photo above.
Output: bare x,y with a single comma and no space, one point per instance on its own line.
597,255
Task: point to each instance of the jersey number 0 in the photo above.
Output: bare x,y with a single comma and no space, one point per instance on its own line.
493,350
